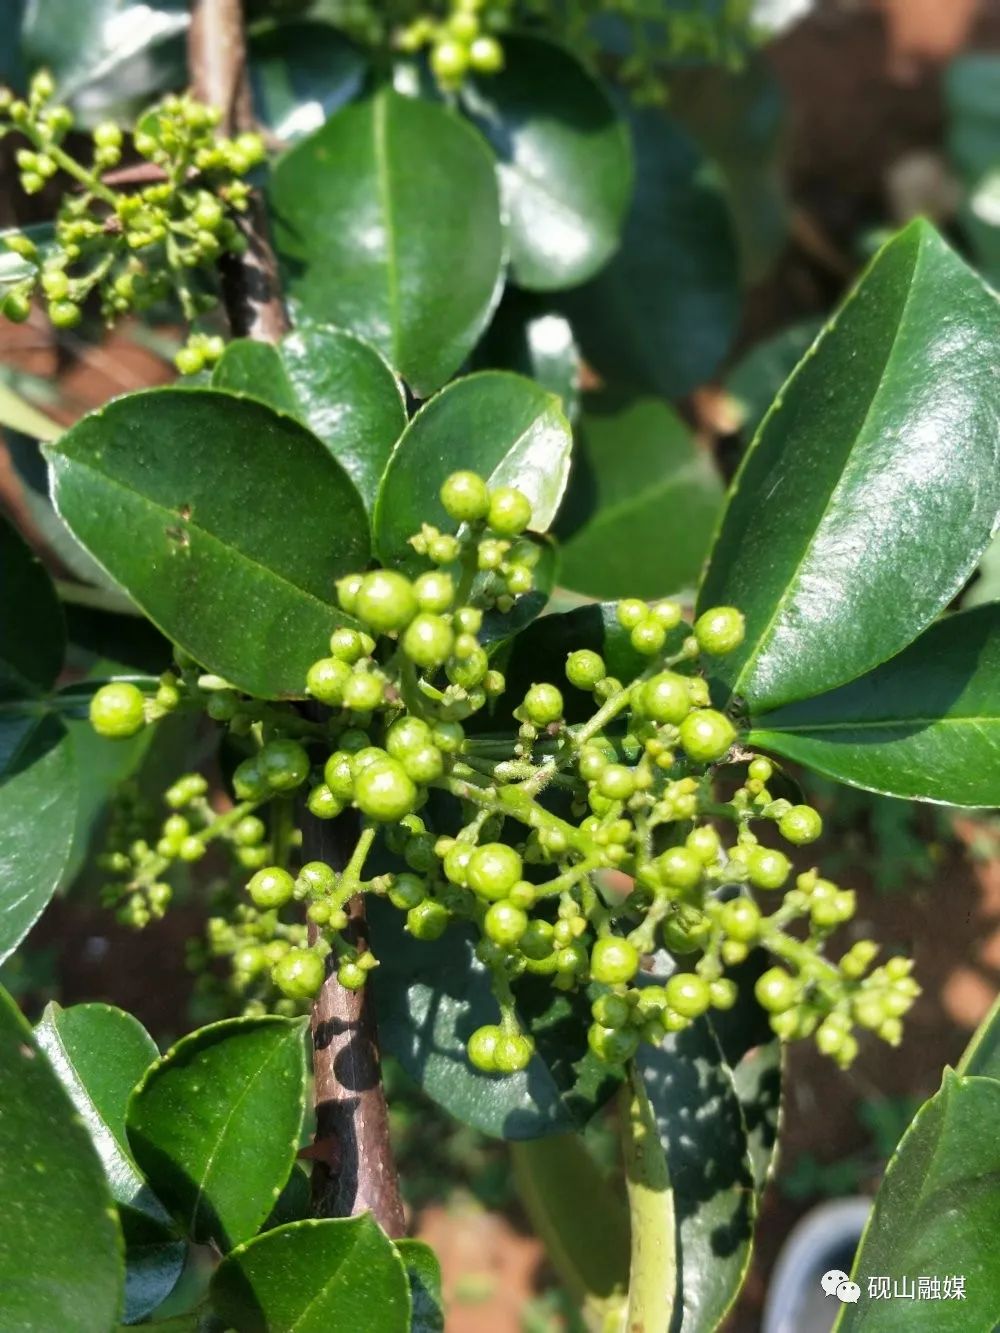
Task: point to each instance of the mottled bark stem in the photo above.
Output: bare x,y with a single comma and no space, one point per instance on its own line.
353,1168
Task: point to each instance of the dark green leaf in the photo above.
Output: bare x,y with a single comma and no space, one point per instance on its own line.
892,418
32,633
642,503
333,383
738,117
227,522
388,220
663,312
107,56
982,1055
973,118
757,378
314,1277
938,1213
757,1079
502,426
564,1191
432,997
60,1247
701,1127
38,794
926,725
154,1261
529,337
214,1125
11,17
96,635
99,1054
564,160
33,474
301,73
424,1275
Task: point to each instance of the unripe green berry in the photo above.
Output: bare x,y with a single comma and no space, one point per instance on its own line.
704,842
271,887
338,773
538,940
350,975
687,994
326,679
449,61
481,1048
723,993
299,974
317,877
492,870
465,496
504,923
435,591
512,1053
720,630
801,824
347,645
585,668
543,704
363,692
407,891
776,990
616,782
666,697
612,1011
384,792
284,764
386,601
509,511
613,960
427,921
117,710
16,306
648,637
767,869
680,868
486,54
740,919
631,612
706,735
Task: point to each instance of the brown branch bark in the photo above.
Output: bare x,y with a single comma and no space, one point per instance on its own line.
353,1168
217,59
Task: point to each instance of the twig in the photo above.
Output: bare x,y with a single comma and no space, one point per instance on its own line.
217,57
354,1170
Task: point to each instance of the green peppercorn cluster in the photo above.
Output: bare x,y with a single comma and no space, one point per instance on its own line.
524,835
133,247
461,42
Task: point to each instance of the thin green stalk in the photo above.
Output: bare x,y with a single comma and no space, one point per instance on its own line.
653,1263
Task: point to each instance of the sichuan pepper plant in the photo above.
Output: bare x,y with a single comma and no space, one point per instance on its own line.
586,867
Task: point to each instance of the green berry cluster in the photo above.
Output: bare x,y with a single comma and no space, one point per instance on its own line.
462,41
133,247
524,835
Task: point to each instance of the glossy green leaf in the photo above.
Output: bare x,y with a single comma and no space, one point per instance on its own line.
758,1083
301,73
926,725
529,337
938,1213
757,378
214,1125
388,222
662,314
564,159
563,1191
232,550
893,419
99,1054
424,1275
432,996
642,503
333,383
107,56
38,794
60,1248
313,1277
32,632
502,426
982,1055
704,1137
